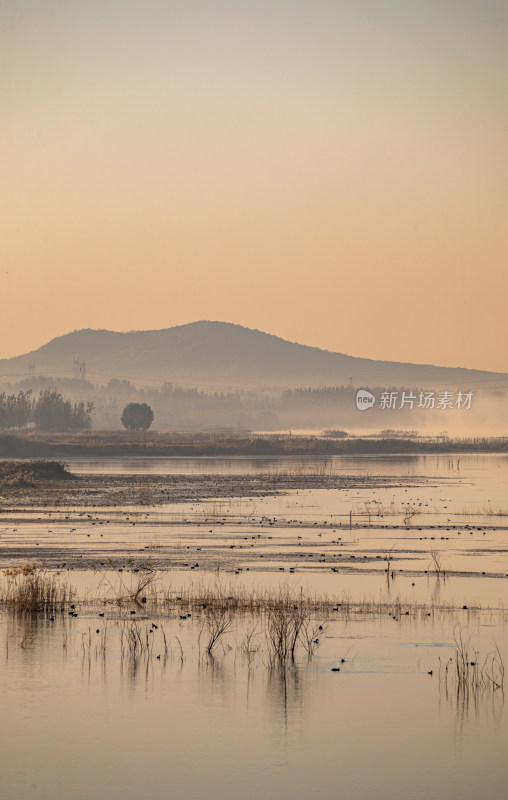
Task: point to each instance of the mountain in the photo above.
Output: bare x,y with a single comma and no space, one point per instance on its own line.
223,355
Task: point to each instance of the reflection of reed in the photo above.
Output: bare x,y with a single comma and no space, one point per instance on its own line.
214,669
467,703
23,630
285,691
129,667
29,632
436,592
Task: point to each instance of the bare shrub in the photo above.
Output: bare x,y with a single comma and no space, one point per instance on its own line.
249,645
141,589
284,626
310,633
218,622
436,560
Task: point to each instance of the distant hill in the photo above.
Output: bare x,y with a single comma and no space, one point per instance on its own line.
223,355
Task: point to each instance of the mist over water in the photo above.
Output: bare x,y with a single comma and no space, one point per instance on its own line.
272,410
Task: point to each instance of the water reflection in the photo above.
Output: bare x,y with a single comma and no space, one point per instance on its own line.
230,719
472,706
404,464
285,690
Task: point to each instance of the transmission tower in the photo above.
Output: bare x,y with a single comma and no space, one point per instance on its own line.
79,368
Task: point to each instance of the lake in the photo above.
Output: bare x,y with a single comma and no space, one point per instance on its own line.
85,716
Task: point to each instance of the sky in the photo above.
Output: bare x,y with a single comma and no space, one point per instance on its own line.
329,171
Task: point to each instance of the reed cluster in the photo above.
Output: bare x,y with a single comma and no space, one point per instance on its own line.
218,595
32,589
470,672
137,642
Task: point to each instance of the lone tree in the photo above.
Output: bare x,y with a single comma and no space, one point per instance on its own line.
137,416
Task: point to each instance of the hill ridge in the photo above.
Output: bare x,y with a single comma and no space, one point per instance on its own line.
217,353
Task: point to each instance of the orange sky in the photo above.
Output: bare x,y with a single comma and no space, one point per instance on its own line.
331,172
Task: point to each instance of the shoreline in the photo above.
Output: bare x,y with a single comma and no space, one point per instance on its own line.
118,443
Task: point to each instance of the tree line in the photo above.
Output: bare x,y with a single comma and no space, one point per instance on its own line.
50,411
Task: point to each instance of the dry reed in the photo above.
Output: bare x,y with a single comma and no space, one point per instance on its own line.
33,589
470,672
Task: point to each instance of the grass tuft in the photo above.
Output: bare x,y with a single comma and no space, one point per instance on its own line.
32,589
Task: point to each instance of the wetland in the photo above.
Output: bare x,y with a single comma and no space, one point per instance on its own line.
256,626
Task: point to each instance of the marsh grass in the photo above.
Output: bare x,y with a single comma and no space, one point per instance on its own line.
495,511
375,508
32,589
485,510
470,672
475,672
28,474
218,595
199,443
135,642
90,643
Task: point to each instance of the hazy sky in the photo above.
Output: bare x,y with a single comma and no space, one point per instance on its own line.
331,171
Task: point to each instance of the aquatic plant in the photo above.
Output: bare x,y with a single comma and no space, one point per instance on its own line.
218,622
29,588
474,671
436,560
282,629
469,671
141,588
28,474
135,642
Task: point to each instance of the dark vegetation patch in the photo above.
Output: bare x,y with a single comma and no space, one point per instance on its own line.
152,443
29,474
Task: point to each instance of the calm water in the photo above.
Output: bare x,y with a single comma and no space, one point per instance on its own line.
78,723
462,465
